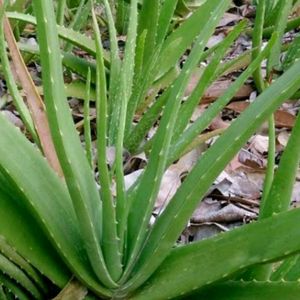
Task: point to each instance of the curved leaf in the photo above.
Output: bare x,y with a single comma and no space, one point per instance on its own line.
190,267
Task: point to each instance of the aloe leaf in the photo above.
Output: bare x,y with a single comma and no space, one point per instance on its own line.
13,89
76,89
64,33
13,290
2,295
249,290
110,244
139,58
11,270
80,18
142,204
128,64
294,273
142,84
60,12
159,85
15,218
127,76
148,22
114,78
87,123
180,39
271,160
281,191
79,65
190,267
10,253
54,211
79,178
292,54
138,133
273,12
82,12
76,64
67,34
281,22
165,17
208,76
34,101
173,219
125,90
165,57
270,6
284,269
291,24
202,122
257,42
148,119
277,198
260,85
121,16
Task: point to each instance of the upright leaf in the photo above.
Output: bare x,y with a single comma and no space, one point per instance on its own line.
172,220
78,175
143,201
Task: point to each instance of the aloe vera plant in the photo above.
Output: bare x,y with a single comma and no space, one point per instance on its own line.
62,223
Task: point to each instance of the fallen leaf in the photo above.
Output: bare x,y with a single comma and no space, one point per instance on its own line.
215,39
283,138
13,118
218,88
282,118
214,212
259,143
251,160
229,18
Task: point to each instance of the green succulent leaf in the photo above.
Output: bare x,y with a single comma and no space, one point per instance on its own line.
79,178
292,54
143,201
249,290
172,220
53,211
11,270
67,34
190,267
